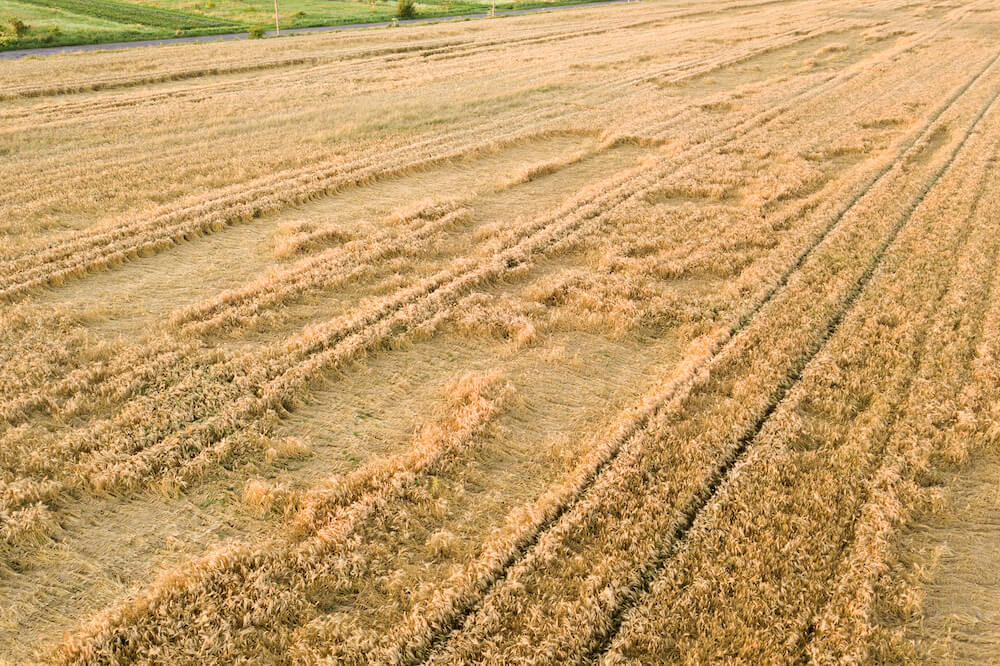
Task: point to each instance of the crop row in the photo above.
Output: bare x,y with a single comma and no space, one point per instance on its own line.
138,149
427,619
319,559
613,537
39,399
244,305
114,458
424,49
103,467
122,166
761,552
94,249
950,416
202,405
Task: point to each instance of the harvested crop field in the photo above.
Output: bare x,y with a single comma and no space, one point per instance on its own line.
648,333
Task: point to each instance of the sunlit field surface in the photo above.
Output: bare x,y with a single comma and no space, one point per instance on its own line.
649,333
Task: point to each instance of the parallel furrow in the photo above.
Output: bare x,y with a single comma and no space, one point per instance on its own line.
469,606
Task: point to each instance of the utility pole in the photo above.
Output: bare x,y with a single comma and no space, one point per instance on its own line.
277,28
493,9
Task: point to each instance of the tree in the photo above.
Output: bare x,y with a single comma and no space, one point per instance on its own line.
17,27
406,9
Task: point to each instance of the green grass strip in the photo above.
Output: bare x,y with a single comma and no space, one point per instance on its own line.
120,12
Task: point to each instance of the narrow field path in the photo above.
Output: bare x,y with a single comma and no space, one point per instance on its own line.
960,548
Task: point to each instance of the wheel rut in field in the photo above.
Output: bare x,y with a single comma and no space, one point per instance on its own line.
718,477
929,126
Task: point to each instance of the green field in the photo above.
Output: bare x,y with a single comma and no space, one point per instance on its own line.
64,22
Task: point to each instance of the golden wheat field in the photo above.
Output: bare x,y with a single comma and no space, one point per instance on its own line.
661,332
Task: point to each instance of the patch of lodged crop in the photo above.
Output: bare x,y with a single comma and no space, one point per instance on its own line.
626,334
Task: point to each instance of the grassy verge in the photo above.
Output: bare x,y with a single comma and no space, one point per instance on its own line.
37,23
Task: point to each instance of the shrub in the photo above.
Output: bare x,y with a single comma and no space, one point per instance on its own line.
17,27
50,35
255,32
406,9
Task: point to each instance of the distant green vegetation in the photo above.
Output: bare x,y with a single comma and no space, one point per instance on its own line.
61,22
120,12
33,23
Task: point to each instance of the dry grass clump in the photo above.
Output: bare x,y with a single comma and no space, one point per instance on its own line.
288,447
536,171
262,498
507,318
27,525
296,237
884,33
442,543
604,302
832,48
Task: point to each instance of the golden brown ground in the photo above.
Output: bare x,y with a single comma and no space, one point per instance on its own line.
644,333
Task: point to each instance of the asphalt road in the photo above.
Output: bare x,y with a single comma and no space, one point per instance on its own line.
113,46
